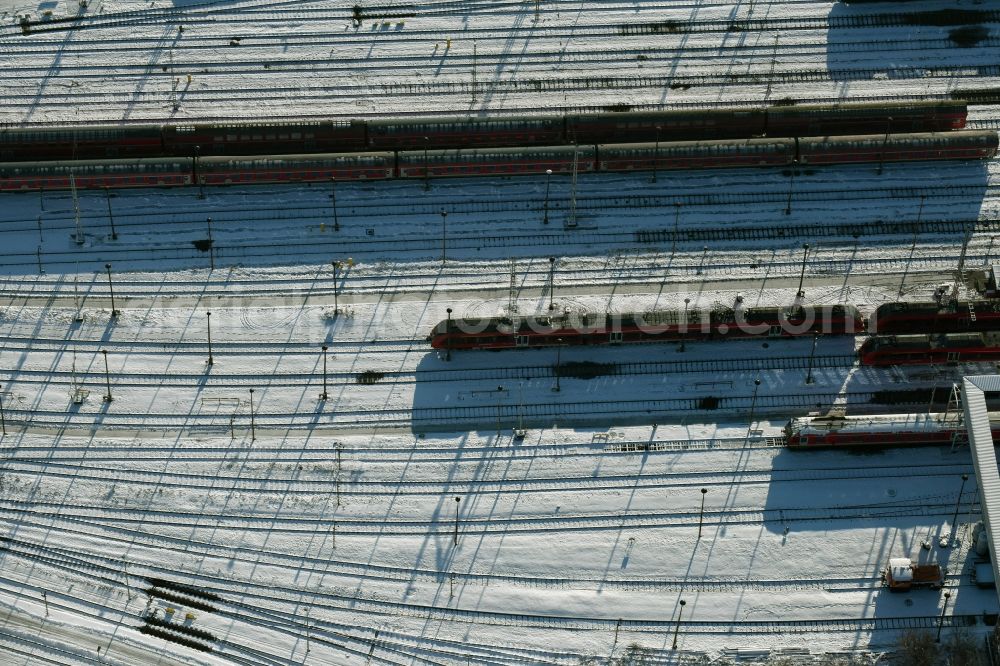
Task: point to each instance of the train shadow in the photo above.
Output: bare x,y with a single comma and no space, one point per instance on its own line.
908,493
603,386
957,38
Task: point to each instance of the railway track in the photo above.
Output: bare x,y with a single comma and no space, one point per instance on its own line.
90,564
350,93
502,415
707,627
368,203
35,650
358,606
369,207
393,642
572,77
503,373
268,523
568,81
535,63
284,11
224,297
311,349
333,602
318,250
954,17
360,488
232,652
111,568
984,97
64,450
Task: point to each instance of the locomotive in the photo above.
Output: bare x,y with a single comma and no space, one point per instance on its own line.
16,176
657,326
438,133
951,316
930,333
933,349
881,430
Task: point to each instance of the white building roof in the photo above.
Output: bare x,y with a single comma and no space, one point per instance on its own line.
983,454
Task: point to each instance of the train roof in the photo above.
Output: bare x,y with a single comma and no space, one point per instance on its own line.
650,318
134,162
876,423
947,307
934,340
540,323
666,114
69,132
666,146
294,157
520,151
543,323
923,105
260,124
946,138
451,121
788,310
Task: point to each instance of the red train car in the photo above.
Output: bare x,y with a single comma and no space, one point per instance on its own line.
96,174
948,317
658,326
885,350
895,118
701,124
442,133
496,161
696,154
85,142
965,145
493,161
887,430
263,138
296,168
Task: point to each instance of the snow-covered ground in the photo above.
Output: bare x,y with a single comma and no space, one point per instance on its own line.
401,520
180,60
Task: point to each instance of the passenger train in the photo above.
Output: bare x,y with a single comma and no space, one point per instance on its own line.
657,326
949,317
901,333
805,151
882,430
86,142
930,349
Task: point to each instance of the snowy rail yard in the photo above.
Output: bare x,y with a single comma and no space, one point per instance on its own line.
228,440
